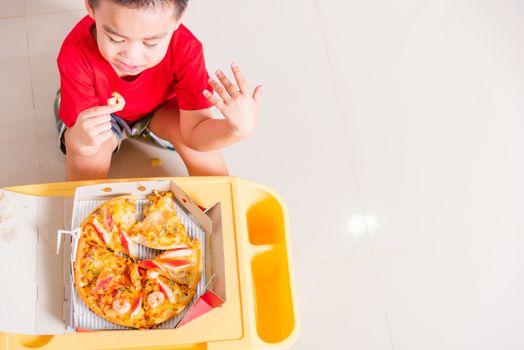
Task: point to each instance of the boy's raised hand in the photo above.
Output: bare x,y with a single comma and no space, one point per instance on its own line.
237,104
92,129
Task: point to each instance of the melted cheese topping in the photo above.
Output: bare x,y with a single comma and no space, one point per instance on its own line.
113,285
161,226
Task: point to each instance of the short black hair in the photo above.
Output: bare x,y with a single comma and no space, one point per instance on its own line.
180,5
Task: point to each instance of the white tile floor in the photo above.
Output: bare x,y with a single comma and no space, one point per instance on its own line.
392,129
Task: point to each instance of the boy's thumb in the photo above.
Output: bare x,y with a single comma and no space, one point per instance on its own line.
257,94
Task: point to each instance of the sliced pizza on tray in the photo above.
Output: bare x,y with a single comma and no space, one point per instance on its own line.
110,284
164,299
109,224
121,290
161,227
182,264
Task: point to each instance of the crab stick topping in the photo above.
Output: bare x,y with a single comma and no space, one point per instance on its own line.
108,219
137,306
148,264
177,253
176,262
125,242
166,290
101,231
101,283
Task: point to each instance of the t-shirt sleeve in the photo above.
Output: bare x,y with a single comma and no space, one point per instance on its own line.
77,91
191,80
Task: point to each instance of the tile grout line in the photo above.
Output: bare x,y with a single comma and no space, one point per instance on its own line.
29,61
381,292
390,253
30,67
24,14
341,113
339,260
57,12
34,130
359,193
12,17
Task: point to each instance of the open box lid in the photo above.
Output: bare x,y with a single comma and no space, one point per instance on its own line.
35,285
32,288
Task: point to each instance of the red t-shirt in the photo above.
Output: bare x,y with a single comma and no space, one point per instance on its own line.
87,79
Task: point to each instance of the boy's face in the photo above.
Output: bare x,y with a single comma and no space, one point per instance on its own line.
133,40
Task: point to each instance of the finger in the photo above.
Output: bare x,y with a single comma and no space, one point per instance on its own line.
218,103
257,94
230,87
100,110
219,89
94,133
97,120
239,77
102,128
103,137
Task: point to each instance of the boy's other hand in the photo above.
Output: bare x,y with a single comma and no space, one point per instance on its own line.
91,130
239,106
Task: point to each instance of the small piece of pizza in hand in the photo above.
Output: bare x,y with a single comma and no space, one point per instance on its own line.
116,99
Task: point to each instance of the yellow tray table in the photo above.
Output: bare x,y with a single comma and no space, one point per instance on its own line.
260,310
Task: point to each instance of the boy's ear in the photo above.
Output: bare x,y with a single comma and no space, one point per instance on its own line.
89,9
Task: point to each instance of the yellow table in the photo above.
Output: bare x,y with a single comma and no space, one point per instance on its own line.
260,309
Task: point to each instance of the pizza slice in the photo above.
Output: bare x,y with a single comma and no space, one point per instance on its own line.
161,227
182,264
163,299
109,284
109,224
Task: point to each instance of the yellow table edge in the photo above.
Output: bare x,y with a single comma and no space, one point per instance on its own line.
251,338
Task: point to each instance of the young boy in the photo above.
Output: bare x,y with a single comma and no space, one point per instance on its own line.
140,49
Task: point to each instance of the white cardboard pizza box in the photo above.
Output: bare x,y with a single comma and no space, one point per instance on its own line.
36,285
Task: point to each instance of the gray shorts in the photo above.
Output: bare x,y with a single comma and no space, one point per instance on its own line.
120,127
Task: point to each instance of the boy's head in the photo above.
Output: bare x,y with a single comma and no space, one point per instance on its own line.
134,35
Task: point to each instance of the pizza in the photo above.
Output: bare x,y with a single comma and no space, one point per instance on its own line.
116,99
117,287
163,299
181,264
109,284
161,227
109,224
